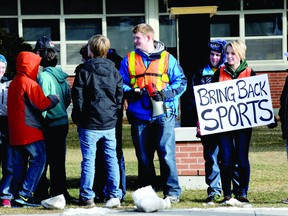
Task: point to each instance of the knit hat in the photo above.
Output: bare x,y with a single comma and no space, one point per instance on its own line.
218,46
45,43
3,59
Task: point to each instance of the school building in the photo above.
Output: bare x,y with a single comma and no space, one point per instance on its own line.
185,26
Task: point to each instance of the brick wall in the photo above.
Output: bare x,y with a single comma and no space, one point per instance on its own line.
276,81
189,158
189,152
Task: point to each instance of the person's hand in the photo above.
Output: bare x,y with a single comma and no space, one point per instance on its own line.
198,134
133,94
158,96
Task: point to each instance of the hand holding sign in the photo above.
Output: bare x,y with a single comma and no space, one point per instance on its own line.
235,104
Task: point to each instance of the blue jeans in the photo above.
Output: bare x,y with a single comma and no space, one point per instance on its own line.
157,135
28,166
88,139
100,179
212,169
234,149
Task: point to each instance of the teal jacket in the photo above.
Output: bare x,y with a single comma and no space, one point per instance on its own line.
53,81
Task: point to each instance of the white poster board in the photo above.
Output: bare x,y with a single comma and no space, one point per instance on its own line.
234,104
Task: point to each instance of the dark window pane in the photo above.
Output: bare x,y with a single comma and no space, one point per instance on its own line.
119,31
85,7
9,25
125,6
263,4
162,6
34,29
263,24
73,55
168,31
82,29
224,26
8,7
33,7
261,49
224,5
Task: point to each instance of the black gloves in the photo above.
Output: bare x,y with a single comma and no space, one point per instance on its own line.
159,96
134,94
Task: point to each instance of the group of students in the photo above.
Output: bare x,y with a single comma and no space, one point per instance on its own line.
147,83
37,103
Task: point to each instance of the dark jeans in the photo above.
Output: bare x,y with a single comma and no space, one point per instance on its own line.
234,149
55,139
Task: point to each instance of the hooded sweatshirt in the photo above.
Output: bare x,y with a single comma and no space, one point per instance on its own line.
53,81
26,101
141,108
97,95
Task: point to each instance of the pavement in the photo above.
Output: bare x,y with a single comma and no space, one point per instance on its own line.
219,211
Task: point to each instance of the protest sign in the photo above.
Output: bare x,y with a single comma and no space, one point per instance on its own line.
234,104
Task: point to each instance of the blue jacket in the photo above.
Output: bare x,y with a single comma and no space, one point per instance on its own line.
140,107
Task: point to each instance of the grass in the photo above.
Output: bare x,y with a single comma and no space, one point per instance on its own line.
268,183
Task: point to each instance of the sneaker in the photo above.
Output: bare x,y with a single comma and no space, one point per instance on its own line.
242,199
87,203
70,200
6,203
27,201
173,199
225,201
214,198
285,201
113,203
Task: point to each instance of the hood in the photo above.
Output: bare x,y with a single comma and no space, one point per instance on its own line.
100,66
242,66
27,63
156,54
57,72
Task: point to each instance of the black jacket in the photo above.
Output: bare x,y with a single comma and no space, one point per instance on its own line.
96,95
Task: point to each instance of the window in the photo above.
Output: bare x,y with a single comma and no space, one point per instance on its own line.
84,7
82,29
225,5
263,24
224,26
8,7
33,7
125,6
263,4
168,31
264,49
119,31
9,25
34,29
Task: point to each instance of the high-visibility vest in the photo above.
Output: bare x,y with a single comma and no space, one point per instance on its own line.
225,76
156,72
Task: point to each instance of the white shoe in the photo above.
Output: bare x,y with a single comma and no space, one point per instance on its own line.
57,202
113,203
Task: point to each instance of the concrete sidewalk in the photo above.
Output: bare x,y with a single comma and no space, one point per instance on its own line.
219,211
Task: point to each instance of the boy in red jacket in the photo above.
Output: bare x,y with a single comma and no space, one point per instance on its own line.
26,102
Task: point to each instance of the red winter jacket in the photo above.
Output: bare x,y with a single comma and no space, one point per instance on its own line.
26,101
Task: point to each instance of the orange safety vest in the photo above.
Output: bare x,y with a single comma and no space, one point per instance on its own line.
225,76
155,73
